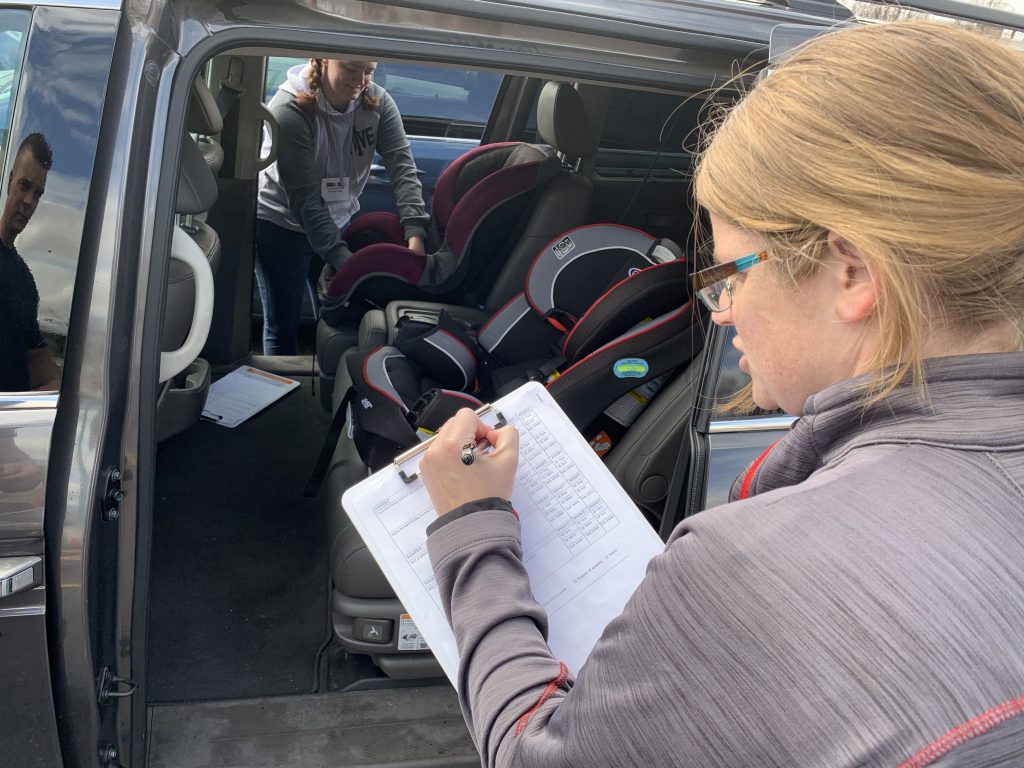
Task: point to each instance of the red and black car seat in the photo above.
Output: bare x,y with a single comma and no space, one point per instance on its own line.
481,205
605,309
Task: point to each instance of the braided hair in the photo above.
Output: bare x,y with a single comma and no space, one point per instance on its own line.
314,81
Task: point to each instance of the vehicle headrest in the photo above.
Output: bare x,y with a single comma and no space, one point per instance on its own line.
203,114
197,187
562,121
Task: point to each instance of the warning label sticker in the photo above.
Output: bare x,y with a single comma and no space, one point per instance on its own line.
409,637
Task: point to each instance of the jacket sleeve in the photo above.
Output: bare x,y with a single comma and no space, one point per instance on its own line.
500,690
628,706
301,180
394,149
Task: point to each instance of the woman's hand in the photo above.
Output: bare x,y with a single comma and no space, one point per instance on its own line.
416,243
451,483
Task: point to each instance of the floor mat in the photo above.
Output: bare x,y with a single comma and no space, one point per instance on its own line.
238,586
420,727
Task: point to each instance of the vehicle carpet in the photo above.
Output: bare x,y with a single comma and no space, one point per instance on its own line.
239,579
417,726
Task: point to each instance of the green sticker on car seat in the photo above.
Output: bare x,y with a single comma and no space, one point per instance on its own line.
631,368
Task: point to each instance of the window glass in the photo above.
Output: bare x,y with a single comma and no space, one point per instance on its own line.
13,25
730,379
22,347
52,105
434,101
645,131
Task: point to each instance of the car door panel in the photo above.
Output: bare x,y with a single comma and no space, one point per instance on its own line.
46,632
29,735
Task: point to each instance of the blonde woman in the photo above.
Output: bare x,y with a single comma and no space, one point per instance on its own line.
332,119
861,600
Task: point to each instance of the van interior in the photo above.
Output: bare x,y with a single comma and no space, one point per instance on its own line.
260,598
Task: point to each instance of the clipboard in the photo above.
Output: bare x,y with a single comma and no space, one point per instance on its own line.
585,543
243,393
402,460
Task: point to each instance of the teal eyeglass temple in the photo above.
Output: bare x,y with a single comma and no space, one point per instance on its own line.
710,284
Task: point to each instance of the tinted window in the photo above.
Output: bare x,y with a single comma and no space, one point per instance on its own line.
50,148
21,342
649,132
730,379
13,25
434,101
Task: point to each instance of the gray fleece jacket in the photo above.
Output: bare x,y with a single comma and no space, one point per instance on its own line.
863,607
325,143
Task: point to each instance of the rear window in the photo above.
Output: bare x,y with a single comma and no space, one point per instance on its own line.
434,101
649,133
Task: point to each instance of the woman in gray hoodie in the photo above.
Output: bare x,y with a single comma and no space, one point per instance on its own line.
332,119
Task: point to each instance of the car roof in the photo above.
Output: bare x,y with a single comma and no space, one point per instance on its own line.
642,20
659,43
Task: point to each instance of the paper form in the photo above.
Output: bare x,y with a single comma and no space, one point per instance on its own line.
585,544
243,393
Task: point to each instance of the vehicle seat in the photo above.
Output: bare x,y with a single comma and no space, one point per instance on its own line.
204,123
183,396
471,210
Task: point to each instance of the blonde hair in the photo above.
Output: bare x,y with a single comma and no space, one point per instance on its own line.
314,81
907,139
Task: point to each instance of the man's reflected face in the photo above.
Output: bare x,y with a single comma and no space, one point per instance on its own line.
24,190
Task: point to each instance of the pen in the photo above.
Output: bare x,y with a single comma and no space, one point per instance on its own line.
418,449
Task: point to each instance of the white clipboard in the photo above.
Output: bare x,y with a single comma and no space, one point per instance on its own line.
585,544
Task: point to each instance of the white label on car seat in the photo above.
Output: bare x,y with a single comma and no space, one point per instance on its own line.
628,408
334,190
563,247
409,637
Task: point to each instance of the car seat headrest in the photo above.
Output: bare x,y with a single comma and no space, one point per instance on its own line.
197,187
562,121
481,162
479,168
203,114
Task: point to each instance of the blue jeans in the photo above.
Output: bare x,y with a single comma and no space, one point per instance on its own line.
283,260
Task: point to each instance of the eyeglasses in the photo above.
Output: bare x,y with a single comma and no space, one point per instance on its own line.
715,285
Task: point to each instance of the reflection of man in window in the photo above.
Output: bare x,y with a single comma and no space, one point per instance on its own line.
24,359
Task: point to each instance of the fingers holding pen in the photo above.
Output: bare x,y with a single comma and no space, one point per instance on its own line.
451,481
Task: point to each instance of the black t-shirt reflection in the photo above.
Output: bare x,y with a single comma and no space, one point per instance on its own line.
24,359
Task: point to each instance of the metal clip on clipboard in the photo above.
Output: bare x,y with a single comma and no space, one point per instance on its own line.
416,450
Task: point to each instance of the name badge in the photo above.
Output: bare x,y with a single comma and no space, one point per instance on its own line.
334,190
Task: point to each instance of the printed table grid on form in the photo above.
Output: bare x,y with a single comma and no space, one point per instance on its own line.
573,516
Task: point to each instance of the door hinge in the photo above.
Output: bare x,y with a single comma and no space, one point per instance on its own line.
109,686
109,755
112,495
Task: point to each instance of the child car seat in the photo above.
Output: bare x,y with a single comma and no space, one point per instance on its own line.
637,324
605,309
492,209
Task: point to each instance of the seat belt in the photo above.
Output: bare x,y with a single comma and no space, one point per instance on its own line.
231,90
330,443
